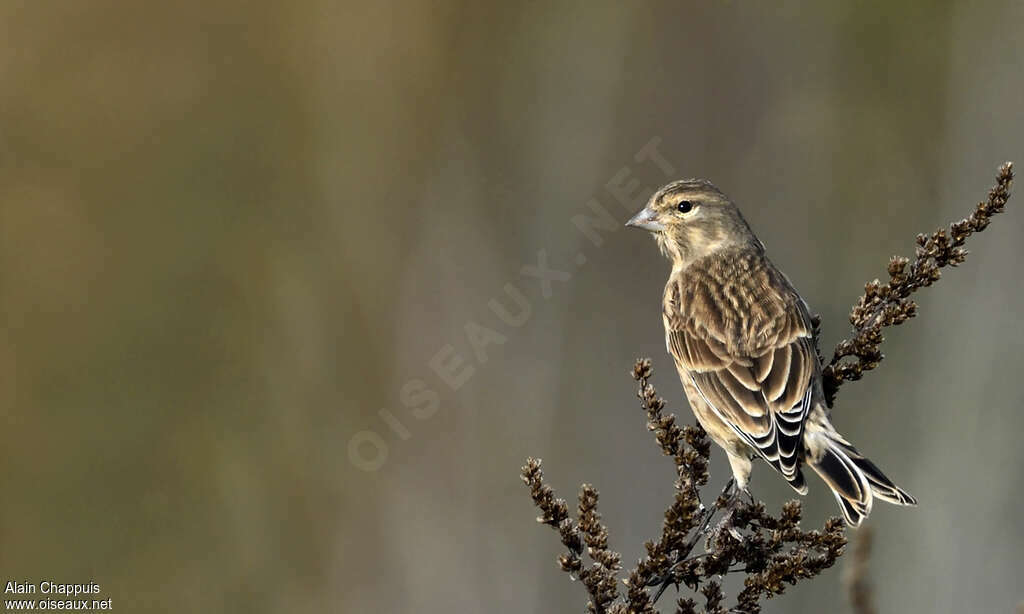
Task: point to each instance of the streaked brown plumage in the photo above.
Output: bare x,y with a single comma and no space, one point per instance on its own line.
741,337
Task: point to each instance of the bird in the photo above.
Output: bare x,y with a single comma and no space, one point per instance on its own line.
742,340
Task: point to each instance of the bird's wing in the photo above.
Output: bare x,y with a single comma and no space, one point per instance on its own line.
752,363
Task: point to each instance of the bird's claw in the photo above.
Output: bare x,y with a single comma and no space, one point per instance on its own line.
725,524
735,495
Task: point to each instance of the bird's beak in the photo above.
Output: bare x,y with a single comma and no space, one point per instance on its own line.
646,219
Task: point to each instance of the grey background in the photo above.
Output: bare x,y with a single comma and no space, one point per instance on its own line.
232,232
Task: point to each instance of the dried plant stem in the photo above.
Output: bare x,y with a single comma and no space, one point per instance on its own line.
858,586
889,304
600,577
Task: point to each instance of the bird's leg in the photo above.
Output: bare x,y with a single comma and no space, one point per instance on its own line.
739,462
735,499
729,490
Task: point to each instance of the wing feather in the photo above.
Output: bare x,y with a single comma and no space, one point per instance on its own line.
775,381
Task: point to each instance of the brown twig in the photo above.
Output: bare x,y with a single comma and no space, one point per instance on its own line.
600,577
855,578
889,304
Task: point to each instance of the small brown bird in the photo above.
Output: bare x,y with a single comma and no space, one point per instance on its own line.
742,341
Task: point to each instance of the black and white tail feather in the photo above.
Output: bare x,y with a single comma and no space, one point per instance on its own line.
855,481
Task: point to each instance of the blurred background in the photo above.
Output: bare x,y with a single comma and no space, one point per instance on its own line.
268,341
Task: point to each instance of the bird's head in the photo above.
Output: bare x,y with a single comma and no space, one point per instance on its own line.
690,219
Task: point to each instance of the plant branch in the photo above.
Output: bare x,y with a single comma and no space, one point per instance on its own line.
889,304
858,587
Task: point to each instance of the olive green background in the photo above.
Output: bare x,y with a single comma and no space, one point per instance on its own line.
231,233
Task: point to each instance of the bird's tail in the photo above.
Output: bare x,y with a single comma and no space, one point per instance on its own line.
855,481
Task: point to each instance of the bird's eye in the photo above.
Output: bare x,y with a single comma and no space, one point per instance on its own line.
684,206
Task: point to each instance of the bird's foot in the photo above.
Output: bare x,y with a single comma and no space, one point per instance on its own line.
735,499
724,524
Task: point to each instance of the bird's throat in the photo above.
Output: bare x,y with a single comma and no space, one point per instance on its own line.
671,248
